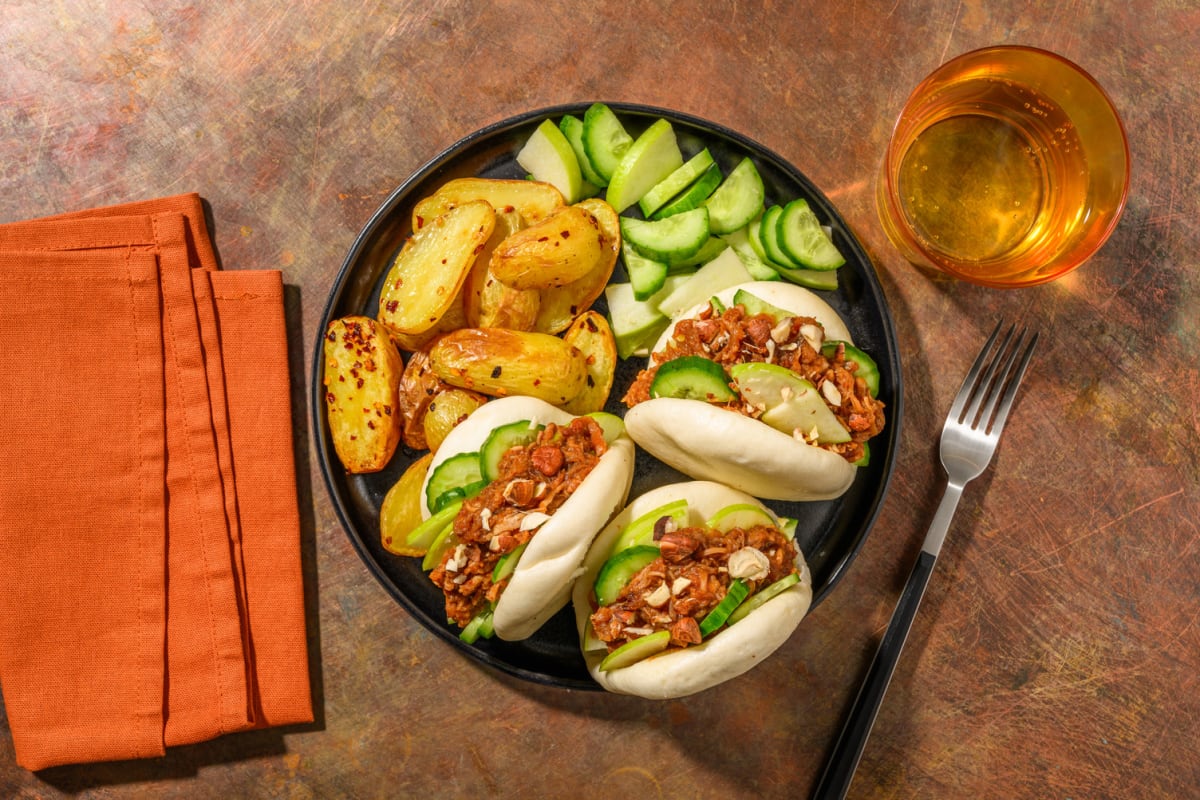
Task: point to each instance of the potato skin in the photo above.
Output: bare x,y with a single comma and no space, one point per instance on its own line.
446,410
561,305
500,362
532,200
488,302
401,509
552,253
362,376
424,280
592,335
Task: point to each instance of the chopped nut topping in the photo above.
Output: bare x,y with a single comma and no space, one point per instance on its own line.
831,393
485,518
782,330
658,597
814,335
679,584
533,520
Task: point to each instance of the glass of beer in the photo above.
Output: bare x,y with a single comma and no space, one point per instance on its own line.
1007,167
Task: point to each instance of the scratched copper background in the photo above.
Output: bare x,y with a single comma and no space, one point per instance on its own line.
1057,652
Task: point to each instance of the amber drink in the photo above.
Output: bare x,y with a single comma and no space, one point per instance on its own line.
1007,167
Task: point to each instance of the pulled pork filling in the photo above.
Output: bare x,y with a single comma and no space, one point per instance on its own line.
734,337
689,578
534,480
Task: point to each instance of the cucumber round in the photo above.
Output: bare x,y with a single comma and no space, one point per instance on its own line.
867,369
692,169
617,571
635,651
671,239
801,236
460,471
737,200
646,275
693,378
572,128
763,595
500,441
693,196
734,596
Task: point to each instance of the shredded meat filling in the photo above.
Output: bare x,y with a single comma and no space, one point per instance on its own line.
535,478
690,577
734,337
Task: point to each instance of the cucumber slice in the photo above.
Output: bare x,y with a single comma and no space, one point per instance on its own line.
641,530
646,275
734,596
756,305
635,651
477,627
768,236
865,461
611,425
788,526
633,322
507,563
572,128
617,571
549,157
758,268
737,200
763,595
438,547
801,236
605,140
707,252
671,239
424,534
650,159
722,272
676,182
693,378
792,403
460,472
825,280
740,515
500,441
866,367
694,196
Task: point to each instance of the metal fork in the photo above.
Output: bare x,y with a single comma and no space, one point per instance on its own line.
969,439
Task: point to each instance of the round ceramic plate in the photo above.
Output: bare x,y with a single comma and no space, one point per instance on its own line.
830,533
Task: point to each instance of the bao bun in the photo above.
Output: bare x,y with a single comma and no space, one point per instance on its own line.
712,443
731,651
541,583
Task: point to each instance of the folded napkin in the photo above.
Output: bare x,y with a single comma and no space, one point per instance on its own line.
151,591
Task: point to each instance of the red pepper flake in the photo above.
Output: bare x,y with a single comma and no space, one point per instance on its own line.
565,234
329,397
371,424
537,381
544,239
359,383
496,372
591,324
399,282
392,305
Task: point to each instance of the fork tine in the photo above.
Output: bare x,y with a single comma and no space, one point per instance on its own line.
1014,383
969,384
996,380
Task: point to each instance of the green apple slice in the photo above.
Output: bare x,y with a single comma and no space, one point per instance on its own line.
650,159
549,158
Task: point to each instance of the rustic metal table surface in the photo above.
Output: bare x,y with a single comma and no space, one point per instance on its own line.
1058,650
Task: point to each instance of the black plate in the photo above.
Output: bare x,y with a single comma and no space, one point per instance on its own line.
830,533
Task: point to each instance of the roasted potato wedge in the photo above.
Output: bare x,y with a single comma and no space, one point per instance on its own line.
560,306
489,303
499,362
418,386
362,376
549,254
446,410
454,318
401,509
591,334
431,268
533,200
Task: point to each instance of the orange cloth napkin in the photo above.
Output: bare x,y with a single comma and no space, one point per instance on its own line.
151,591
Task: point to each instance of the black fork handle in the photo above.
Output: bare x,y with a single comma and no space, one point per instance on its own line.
839,770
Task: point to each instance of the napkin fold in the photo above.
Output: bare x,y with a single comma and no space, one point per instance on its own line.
151,591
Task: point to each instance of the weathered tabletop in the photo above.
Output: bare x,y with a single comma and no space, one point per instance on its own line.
1057,651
